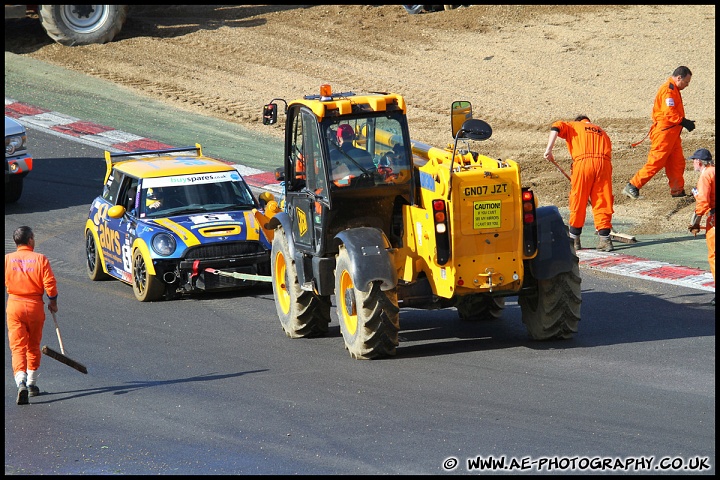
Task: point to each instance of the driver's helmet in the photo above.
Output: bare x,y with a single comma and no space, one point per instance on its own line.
153,195
345,132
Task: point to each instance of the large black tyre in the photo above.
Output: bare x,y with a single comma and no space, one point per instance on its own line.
473,308
414,9
303,314
72,25
553,312
13,190
93,262
146,287
369,321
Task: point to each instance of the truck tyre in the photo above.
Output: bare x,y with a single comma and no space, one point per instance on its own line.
93,262
414,9
13,190
553,310
302,314
473,308
146,287
72,25
369,321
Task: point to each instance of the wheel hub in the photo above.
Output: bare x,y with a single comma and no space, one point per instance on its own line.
83,11
349,302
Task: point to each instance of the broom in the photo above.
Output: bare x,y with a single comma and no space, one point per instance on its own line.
60,356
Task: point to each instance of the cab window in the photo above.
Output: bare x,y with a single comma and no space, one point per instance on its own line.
296,177
312,153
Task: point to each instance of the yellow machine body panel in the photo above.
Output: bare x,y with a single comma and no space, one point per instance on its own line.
340,106
484,224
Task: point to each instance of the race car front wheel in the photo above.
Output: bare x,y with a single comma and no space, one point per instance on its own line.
147,288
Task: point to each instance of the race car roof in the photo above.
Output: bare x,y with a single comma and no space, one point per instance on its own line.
164,162
151,167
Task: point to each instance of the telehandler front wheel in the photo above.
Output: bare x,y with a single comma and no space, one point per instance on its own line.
302,314
369,321
553,312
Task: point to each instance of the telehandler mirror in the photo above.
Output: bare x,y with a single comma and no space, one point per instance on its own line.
460,111
270,114
475,129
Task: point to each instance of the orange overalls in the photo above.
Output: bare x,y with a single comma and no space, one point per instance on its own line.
591,172
705,204
666,149
27,276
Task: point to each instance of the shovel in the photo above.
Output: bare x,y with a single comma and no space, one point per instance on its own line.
60,356
619,237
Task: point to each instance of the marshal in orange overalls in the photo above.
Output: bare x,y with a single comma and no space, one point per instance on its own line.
666,149
27,276
591,175
705,205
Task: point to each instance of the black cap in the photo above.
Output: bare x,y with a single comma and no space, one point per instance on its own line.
702,154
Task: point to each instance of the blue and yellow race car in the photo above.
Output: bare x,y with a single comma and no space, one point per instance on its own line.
173,221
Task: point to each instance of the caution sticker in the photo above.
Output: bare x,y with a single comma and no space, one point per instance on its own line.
487,214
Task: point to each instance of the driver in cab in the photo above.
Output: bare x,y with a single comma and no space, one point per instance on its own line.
347,160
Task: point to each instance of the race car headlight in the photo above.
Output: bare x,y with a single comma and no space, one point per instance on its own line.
163,244
14,143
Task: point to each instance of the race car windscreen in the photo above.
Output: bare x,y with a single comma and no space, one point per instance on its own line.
186,194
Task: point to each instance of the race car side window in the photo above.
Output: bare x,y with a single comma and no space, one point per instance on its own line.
112,187
127,191
131,197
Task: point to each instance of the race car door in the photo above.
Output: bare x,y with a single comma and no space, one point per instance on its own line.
117,234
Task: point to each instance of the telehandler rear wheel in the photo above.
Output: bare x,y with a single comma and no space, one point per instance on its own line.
554,311
303,314
369,321
473,308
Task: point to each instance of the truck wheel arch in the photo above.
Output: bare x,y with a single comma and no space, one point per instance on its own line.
283,220
370,259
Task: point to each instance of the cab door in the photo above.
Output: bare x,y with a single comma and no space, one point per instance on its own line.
306,193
